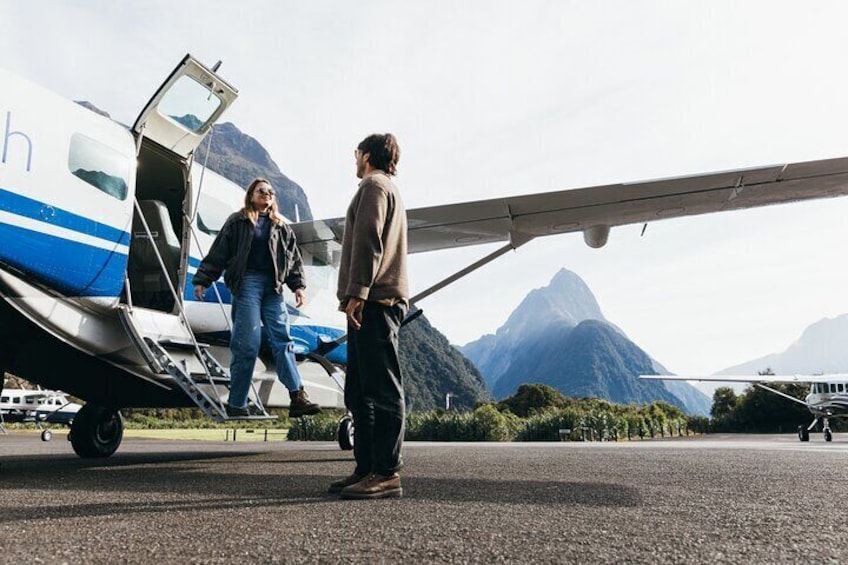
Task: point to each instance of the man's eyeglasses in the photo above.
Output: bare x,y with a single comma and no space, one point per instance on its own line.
263,190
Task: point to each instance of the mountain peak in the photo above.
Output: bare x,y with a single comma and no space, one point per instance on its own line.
566,300
559,336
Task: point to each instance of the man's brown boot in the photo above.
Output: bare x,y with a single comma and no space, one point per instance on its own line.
337,486
300,404
374,486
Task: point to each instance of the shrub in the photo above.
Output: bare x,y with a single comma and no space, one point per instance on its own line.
321,427
546,426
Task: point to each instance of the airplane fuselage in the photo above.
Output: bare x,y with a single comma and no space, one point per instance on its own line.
73,253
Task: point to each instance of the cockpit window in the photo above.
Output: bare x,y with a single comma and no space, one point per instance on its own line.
211,214
189,104
99,165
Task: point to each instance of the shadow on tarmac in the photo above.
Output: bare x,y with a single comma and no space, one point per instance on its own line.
159,477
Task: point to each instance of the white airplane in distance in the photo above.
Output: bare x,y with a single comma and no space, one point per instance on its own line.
828,396
102,227
36,406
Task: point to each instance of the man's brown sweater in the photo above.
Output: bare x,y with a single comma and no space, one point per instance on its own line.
373,263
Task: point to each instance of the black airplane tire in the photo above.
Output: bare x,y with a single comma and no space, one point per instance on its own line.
828,436
46,435
345,434
803,433
96,431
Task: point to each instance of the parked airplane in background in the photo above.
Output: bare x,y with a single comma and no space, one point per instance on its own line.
828,397
101,228
36,406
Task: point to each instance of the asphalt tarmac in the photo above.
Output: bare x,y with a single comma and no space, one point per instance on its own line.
730,499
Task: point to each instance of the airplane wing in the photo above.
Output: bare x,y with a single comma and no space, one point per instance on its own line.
595,210
806,379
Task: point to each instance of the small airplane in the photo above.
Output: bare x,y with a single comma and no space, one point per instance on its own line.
102,227
828,396
36,406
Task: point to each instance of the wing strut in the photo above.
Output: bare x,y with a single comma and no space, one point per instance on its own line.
515,244
783,394
458,275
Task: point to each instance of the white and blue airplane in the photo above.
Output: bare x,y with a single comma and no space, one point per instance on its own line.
102,227
36,406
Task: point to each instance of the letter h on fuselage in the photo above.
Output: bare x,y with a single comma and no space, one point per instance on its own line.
8,134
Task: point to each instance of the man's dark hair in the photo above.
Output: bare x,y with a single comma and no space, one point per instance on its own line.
383,151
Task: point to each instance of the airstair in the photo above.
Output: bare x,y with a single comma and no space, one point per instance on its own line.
169,347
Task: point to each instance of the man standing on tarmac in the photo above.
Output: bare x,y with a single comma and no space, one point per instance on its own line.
373,292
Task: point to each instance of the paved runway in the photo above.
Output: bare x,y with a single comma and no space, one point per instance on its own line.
707,500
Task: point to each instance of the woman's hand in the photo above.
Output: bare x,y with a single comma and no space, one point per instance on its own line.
299,297
199,292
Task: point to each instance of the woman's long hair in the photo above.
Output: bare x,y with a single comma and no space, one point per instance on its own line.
250,212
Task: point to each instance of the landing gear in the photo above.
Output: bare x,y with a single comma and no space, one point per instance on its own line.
96,431
828,436
46,435
804,432
345,434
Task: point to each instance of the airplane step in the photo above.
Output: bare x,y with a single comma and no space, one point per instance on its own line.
213,408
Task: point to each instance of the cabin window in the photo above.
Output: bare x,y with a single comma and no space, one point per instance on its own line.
4,399
99,165
29,400
840,387
189,104
16,399
211,214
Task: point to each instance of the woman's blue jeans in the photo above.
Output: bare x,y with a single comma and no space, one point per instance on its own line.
255,305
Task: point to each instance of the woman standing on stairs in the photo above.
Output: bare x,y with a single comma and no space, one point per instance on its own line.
258,253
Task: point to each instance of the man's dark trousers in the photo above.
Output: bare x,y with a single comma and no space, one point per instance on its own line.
374,389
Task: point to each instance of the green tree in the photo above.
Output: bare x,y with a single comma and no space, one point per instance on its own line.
533,398
724,402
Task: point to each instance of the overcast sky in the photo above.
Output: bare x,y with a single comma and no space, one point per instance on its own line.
493,99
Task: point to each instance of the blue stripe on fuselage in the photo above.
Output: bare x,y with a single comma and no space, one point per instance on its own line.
71,267
29,208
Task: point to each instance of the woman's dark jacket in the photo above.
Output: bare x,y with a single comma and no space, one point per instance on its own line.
231,248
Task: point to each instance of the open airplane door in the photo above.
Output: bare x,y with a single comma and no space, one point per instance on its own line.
168,130
185,107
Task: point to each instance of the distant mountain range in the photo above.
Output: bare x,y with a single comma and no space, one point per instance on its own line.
820,349
559,337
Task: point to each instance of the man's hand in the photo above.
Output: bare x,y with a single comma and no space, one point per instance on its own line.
199,292
299,297
353,309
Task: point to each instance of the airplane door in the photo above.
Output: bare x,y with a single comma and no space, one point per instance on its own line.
185,107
